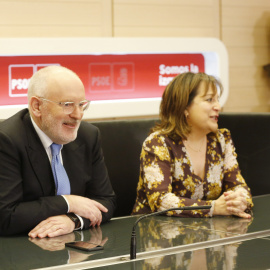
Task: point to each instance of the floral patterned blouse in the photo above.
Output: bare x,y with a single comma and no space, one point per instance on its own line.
167,178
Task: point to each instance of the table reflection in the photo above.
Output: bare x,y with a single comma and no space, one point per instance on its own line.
93,235
159,233
21,252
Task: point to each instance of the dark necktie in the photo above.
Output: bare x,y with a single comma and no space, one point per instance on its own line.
60,176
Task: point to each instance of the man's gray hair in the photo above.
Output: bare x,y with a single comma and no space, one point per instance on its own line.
40,81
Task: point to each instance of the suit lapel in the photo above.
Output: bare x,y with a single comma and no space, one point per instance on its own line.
39,159
73,160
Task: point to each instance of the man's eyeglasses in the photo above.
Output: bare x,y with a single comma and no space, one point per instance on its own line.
68,107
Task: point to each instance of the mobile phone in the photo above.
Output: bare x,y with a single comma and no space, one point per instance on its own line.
86,246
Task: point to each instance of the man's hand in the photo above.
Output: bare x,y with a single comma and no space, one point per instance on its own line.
86,208
55,243
53,226
96,236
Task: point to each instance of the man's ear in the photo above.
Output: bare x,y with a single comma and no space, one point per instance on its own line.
34,106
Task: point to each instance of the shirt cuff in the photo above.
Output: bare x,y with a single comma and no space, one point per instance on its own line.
66,202
82,223
80,218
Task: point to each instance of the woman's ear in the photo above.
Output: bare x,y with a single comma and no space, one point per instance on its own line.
186,113
34,106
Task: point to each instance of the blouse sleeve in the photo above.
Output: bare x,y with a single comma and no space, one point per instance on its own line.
233,180
156,174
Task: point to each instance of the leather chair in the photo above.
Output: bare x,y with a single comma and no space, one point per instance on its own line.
122,142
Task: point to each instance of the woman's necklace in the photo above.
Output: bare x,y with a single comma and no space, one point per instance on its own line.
198,150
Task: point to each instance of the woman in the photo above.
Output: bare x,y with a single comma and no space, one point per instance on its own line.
187,160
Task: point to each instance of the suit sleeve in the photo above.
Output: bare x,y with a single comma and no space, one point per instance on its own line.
99,187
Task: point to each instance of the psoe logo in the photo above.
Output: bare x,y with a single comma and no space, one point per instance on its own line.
19,77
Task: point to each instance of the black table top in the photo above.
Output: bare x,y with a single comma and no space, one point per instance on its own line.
162,241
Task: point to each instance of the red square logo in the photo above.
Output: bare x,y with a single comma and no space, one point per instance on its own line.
19,77
123,76
100,77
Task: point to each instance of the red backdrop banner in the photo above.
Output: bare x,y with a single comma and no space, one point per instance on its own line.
105,76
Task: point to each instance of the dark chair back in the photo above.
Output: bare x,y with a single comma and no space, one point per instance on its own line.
251,137
122,142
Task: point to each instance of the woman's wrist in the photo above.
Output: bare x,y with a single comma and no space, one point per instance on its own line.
212,209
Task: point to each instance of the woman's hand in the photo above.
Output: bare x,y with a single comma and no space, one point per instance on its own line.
231,203
220,208
236,203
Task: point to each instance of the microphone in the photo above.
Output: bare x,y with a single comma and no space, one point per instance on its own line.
133,234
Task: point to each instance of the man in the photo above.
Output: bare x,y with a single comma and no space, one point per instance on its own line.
29,200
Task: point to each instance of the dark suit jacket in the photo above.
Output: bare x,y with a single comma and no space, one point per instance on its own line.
27,189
